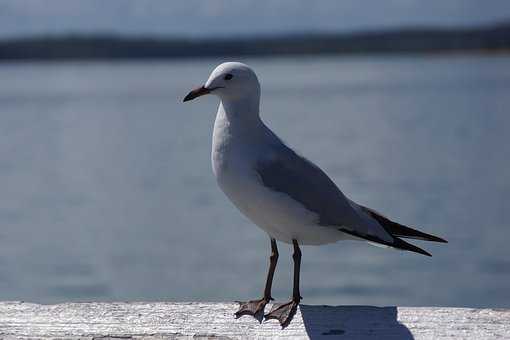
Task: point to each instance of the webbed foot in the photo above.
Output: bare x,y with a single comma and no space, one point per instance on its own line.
254,308
283,312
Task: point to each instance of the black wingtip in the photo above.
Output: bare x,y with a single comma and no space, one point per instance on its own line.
439,239
401,244
427,237
423,252
400,230
397,243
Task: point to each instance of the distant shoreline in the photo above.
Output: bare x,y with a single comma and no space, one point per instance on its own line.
484,39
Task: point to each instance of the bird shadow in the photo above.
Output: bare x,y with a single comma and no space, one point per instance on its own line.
353,322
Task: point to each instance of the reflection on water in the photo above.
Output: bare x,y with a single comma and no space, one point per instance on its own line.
107,193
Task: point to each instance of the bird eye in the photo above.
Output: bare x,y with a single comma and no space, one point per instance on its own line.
228,76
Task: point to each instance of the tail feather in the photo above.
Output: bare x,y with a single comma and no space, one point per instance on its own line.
399,230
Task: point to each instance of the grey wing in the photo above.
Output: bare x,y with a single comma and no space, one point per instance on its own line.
307,184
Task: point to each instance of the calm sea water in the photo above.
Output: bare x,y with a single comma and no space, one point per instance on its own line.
106,191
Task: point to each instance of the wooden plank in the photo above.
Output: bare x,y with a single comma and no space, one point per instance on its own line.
170,320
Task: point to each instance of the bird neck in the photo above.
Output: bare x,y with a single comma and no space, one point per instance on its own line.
242,112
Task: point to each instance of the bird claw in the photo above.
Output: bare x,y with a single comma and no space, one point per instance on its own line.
254,308
283,312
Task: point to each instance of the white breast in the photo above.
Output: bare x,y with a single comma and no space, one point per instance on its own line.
234,157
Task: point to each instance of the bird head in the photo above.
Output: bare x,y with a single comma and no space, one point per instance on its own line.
229,81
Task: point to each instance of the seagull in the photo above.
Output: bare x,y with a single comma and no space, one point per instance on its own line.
280,191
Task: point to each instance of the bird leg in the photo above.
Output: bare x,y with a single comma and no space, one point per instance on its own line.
284,312
256,307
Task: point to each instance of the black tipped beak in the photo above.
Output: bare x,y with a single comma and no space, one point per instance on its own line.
196,93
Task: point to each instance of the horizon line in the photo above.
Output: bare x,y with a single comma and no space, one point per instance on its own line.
257,35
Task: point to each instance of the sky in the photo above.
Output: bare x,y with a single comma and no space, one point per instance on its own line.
237,17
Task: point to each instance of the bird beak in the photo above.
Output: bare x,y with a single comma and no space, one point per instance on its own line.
196,93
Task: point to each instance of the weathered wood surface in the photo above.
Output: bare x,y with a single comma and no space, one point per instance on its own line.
216,321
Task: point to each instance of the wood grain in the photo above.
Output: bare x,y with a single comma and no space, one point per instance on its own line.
170,320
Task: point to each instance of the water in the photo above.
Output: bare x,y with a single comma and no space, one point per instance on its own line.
107,193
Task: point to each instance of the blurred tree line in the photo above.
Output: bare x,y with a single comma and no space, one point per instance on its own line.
412,40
